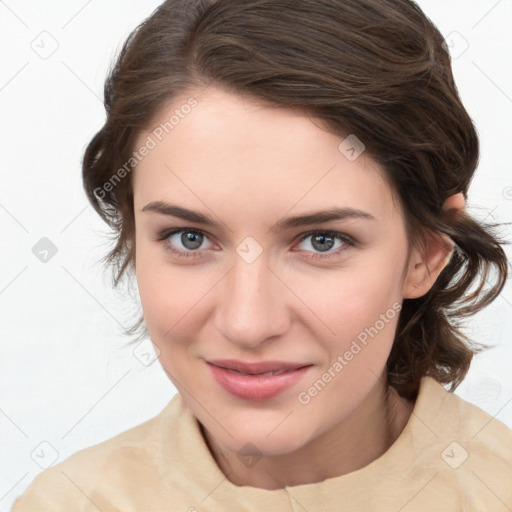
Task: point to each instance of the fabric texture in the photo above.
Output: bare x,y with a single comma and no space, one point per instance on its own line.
451,456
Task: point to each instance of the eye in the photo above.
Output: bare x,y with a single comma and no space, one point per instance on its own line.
325,244
184,242
191,243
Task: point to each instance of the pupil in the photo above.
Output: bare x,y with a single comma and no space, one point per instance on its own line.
191,240
322,242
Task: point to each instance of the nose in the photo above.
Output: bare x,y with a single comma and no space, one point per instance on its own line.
252,306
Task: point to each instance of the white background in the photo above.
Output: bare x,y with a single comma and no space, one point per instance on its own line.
66,377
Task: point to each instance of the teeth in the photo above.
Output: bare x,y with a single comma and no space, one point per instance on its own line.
266,374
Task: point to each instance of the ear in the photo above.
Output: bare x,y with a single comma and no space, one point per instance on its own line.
424,267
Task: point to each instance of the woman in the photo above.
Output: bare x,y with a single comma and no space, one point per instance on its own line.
287,182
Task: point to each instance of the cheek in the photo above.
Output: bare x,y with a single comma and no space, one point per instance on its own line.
173,298
363,312
354,298
360,310
151,283
163,294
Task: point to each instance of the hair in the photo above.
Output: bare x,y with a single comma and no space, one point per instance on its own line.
377,69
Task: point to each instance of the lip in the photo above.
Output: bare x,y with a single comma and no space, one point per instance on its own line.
244,380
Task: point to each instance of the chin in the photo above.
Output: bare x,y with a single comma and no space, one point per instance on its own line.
255,441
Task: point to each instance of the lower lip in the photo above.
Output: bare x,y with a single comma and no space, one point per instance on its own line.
255,387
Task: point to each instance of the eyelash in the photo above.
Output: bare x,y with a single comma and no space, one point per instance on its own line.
346,239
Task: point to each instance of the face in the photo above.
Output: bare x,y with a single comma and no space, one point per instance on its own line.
298,313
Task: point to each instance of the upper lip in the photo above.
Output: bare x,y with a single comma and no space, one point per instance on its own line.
256,367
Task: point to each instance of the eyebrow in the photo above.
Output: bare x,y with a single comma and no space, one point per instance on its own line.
318,217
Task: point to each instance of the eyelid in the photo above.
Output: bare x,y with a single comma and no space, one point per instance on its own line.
347,240
166,233
163,238
335,234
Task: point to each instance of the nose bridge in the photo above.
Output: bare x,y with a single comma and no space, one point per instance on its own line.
252,308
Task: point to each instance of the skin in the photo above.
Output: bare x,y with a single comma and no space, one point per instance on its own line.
248,165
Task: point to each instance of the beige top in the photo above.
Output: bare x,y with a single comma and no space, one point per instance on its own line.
451,456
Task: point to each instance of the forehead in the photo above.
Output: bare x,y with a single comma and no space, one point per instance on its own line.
254,153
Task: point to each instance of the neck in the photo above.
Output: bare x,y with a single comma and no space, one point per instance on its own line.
355,442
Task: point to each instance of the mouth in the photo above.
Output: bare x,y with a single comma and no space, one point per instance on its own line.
257,381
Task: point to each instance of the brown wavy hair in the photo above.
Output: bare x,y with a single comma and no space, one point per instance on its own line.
374,68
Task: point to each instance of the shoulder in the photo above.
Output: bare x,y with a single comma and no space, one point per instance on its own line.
92,477
468,451
453,416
